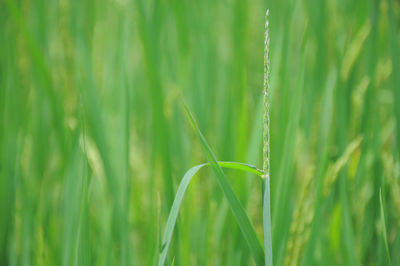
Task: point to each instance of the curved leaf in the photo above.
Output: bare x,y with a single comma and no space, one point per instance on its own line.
236,207
173,214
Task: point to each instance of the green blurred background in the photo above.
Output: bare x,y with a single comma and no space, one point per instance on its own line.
94,142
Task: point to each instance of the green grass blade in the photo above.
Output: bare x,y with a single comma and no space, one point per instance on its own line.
173,214
384,227
241,166
236,207
394,52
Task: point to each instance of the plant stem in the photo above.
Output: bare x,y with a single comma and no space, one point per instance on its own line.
266,153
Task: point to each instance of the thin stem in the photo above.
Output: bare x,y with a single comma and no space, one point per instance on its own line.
266,152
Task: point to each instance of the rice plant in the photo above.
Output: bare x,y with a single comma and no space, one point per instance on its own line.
236,207
94,140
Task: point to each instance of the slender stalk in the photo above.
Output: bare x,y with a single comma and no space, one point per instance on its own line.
266,153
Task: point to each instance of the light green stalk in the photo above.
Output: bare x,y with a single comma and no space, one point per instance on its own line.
266,152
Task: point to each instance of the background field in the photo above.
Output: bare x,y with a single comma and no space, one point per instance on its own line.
94,140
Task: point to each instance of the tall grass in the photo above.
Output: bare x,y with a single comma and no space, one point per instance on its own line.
94,142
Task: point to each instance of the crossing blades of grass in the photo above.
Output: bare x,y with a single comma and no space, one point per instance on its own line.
236,207
173,214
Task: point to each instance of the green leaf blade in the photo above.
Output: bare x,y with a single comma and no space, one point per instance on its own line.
173,214
236,207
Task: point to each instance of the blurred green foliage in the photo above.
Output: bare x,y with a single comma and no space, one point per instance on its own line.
93,140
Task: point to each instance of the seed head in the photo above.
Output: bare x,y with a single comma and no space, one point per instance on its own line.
266,137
